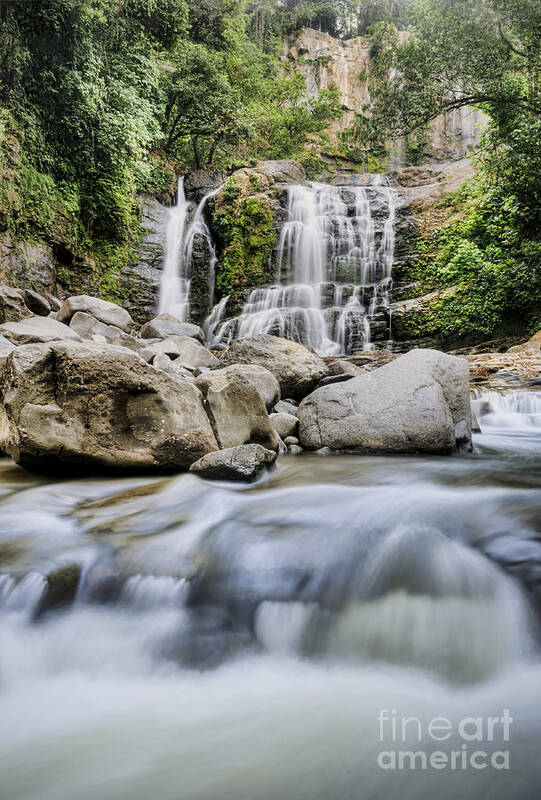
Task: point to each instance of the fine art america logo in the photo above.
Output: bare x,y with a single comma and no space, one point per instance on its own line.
471,743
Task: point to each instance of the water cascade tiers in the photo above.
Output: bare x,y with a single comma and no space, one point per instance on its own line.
332,267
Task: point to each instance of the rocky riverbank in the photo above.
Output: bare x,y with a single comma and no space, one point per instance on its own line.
85,389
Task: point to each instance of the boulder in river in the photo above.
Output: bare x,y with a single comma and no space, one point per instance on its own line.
165,325
237,411
260,377
70,407
37,330
419,403
242,463
297,368
106,312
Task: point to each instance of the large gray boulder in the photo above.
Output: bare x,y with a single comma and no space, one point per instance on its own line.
38,330
165,325
70,407
88,327
188,351
237,411
418,403
106,312
260,377
297,369
243,463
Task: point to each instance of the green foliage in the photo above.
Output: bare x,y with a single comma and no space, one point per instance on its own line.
493,273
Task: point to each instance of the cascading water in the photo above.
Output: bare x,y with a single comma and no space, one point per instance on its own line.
174,294
257,638
334,267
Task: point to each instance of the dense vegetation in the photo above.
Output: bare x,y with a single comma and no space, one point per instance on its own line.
486,54
104,99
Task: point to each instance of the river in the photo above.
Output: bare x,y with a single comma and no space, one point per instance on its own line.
266,642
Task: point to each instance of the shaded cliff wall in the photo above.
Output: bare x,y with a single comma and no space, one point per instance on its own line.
325,62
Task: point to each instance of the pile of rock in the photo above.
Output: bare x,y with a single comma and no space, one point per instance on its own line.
86,390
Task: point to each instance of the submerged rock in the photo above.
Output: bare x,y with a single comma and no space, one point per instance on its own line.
419,403
71,407
297,368
242,463
60,588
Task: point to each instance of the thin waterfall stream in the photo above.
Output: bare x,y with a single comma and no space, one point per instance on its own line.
182,230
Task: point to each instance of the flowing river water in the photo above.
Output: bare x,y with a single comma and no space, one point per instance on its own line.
265,642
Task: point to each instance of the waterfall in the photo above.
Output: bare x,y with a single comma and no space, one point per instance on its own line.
334,266
174,295
514,411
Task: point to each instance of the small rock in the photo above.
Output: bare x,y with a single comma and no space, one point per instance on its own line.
289,440
165,325
286,407
191,353
295,450
243,463
284,424
60,590
88,327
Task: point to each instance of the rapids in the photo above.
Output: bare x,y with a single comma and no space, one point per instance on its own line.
245,642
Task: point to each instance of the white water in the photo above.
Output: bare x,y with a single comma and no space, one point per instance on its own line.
341,588
512,411
334,269
174,294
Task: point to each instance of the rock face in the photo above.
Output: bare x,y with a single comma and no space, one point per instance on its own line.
263,380
243,463
38,330
419,403
297,369
236,410
108,313
327,62
165,325
139,281
533,345
72,407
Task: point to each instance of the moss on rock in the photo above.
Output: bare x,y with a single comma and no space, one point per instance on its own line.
245,226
